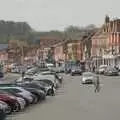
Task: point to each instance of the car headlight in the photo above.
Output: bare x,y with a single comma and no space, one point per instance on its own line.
110,71
73,70
60,77
12,97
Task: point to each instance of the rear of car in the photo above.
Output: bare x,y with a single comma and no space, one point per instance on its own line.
76,70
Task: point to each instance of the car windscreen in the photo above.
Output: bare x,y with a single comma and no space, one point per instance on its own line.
103,67
75,67
13,90
49,82
87,75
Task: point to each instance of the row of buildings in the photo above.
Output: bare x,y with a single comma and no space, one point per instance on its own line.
99,46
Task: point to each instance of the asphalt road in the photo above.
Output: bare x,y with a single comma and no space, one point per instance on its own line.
9,77
78,102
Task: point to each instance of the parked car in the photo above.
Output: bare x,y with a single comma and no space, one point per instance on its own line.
18,95
67,69
111,71
76,70
20,101
50,79
47,85
40,94
101,69
4,106
11,101
88,78
20,91
57,76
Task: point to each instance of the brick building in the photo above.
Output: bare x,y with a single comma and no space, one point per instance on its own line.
59,54
106,43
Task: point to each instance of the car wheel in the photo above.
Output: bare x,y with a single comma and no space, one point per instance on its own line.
9,110
50,92
16,107
36,100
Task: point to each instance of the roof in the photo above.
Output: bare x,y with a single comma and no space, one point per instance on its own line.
3,47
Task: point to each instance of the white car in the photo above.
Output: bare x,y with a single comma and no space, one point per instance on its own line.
102,69
88,78
20,91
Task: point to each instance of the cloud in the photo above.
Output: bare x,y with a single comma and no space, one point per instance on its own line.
20,1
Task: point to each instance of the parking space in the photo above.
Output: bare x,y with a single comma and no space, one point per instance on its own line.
76,101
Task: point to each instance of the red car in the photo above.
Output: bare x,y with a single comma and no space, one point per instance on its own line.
11,101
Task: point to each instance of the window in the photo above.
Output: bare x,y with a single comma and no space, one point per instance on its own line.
14,90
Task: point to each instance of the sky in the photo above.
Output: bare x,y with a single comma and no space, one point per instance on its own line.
45,15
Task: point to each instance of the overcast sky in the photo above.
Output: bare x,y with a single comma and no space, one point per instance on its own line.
58,14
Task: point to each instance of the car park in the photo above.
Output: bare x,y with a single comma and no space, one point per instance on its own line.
31,89
57,76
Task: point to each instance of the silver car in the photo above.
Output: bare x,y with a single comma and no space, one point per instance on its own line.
88,78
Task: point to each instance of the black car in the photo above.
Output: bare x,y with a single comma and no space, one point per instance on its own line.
76,70
41,95
46,85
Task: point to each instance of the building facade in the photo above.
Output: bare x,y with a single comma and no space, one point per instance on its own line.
106,43
59,54
74,51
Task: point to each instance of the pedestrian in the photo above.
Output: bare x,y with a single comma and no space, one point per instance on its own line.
94,68
97,85
52,90
23,74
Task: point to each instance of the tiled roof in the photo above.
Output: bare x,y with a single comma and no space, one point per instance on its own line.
3,47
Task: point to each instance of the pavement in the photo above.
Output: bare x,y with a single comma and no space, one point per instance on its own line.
78,102
9,77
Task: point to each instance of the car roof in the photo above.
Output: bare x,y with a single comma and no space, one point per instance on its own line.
103,66
88,73
48,77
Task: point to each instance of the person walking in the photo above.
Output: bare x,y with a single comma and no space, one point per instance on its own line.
53,93
97,85
94,68
23,74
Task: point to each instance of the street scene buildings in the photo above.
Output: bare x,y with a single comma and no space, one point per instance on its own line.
101,46
42,66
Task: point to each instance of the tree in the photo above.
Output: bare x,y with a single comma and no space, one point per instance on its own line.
73,29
